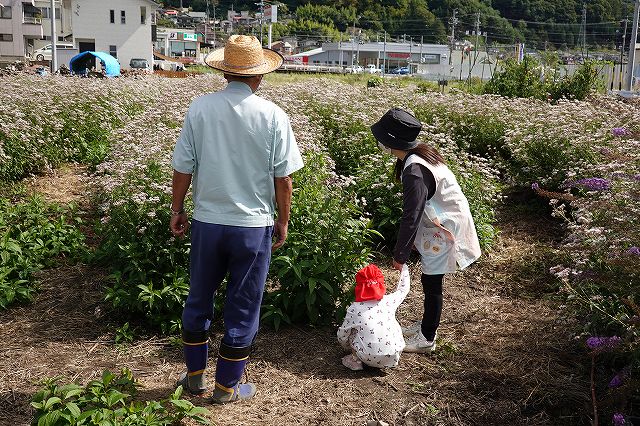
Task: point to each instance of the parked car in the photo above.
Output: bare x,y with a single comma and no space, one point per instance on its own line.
139,64
354,69
400,71
372,69
44,53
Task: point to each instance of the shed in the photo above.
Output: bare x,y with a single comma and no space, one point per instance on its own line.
80,63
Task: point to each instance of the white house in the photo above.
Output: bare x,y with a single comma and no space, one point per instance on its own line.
20,26
122,28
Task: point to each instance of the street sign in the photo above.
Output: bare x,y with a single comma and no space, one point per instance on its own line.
271,13
189,37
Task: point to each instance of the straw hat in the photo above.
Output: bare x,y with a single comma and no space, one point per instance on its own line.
244,56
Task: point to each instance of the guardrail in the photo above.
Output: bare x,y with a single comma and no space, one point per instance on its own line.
312,68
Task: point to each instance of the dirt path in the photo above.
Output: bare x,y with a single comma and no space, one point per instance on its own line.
506,356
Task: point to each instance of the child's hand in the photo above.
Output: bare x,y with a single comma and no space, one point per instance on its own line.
397,265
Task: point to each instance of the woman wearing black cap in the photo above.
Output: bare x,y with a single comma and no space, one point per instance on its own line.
436,219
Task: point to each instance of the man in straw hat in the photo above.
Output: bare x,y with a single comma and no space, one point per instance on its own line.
240,151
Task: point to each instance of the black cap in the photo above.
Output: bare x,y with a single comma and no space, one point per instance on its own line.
397,129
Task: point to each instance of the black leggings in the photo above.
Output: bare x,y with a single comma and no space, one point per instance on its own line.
432,287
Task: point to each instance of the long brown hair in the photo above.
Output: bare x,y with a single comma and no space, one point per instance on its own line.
424,151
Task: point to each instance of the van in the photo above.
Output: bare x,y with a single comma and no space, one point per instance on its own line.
44,53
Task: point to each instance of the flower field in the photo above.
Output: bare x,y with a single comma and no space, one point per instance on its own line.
574,163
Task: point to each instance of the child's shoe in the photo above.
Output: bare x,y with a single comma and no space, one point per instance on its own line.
352,362
241,391
419,344
195,384
412,330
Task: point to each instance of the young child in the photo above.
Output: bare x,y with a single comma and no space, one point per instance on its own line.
370,329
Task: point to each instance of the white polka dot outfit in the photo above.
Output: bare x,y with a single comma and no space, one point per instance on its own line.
371,330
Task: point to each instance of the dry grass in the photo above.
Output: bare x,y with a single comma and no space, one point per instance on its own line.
505,355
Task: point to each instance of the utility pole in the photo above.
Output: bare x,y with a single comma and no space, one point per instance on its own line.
384,55
421,43
54,39
632,47
584,29
453,21
206,22
261,4
410,52
214,26
475,57
624,41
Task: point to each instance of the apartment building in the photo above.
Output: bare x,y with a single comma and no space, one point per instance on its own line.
63,22
20,26
123,28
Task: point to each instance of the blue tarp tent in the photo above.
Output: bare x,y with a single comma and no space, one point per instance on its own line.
82,62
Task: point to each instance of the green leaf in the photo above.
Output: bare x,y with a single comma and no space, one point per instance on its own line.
51,402
181,403
73,409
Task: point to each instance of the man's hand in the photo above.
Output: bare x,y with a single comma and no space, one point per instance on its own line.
397,265
179,225
280,233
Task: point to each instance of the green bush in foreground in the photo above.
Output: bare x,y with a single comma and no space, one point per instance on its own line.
149,267
328,242
33,236
108,402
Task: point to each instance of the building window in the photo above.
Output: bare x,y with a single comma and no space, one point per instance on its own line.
46,13
112,16
5,12
113,51
143,15
123,17
6,37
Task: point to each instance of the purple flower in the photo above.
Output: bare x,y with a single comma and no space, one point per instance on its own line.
616,381
636,177
634,251
603,343
618,419
592,184
535,186
619,131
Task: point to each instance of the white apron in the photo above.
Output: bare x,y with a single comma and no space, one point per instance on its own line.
446,238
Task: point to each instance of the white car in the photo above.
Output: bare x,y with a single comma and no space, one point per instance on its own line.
354,69
44,53
372,69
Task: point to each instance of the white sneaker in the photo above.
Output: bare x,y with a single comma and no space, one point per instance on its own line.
419,344
412,330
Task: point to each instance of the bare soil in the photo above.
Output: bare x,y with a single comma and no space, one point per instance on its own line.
506,354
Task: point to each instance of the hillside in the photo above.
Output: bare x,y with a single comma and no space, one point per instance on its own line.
540,23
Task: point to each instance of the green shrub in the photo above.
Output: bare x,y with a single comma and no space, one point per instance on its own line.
476,133
584,81
375,81
427,87
150,272
525,79
518,80
375,183
33,235
108,401
328,242
347,140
